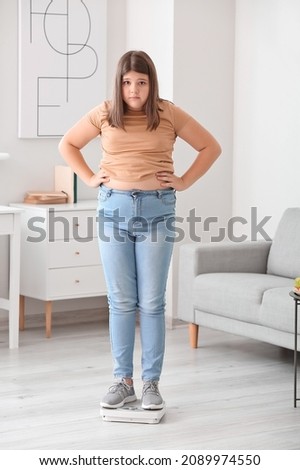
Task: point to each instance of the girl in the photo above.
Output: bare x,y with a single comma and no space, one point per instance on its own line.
136,211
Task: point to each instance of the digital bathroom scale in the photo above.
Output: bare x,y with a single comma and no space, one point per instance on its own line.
133,413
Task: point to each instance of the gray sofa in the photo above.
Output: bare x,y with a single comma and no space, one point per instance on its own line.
243,288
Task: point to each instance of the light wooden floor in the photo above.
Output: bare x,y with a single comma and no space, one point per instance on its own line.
231,393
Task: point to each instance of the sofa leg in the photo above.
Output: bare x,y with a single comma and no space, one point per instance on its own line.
193,334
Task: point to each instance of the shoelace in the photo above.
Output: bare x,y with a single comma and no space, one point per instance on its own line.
119,387
151,387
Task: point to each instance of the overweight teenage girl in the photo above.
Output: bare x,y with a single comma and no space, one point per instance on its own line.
136,211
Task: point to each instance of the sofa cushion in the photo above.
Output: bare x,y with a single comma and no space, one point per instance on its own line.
284,256
234,295
278,310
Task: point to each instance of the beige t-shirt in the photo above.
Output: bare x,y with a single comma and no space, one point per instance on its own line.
135,153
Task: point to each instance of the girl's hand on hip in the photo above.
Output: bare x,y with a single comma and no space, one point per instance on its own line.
98,178
168,179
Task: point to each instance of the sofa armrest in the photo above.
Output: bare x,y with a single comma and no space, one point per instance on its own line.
195,259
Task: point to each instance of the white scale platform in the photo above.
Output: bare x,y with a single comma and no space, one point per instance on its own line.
132,413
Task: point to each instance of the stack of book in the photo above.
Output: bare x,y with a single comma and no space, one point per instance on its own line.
42,197
65,189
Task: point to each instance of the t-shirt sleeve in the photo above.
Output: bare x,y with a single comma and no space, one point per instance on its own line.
180,118
97,115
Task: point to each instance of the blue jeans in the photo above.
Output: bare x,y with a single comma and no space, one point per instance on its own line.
136,233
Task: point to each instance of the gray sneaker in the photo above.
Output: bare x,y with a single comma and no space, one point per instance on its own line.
151,398
118,394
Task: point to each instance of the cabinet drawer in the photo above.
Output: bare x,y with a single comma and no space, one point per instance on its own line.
73,253
66,225
87,281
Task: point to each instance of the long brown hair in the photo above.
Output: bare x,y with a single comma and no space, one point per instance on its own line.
136,61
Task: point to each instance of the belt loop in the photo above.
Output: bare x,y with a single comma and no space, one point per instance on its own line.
107,191
158,194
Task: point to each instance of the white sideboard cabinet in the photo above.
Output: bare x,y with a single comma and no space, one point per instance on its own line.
59,255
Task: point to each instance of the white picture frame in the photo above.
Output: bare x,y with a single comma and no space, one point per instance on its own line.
62,63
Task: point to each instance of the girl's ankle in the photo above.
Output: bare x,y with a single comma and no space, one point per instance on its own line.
128,380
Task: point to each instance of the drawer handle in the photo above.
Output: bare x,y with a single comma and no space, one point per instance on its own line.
77,281
77,252
77,225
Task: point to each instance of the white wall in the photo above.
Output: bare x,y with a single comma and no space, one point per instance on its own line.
153,33
203,86
267,108
192,45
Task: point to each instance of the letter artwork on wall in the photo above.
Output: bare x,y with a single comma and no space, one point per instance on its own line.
62,69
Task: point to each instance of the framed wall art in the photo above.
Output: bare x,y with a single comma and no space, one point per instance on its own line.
62,67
